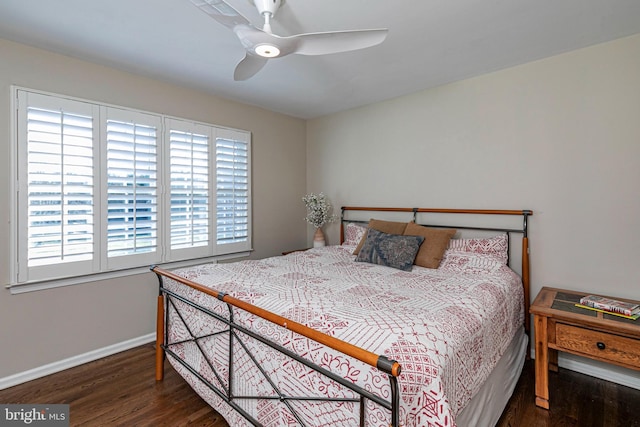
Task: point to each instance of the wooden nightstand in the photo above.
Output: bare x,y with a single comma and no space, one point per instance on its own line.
561,326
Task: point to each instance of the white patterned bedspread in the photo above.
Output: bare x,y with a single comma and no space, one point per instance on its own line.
446,327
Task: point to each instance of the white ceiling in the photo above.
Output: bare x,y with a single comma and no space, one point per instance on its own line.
430,42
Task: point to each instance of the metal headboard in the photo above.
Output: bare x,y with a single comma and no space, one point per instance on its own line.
525,213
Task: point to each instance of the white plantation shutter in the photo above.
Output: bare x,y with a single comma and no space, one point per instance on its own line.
60,182
233,197
132,187
100,188
57,191
190,189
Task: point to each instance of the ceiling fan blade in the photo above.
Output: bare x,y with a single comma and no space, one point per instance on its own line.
337,41
222,12
248,67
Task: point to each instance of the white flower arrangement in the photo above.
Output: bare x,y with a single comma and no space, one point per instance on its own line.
318,210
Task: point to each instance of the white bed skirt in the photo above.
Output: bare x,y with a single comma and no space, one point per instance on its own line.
486,407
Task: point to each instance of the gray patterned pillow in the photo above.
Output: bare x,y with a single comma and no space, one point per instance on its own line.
392,250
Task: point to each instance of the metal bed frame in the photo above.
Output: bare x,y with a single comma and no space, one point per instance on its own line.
234,333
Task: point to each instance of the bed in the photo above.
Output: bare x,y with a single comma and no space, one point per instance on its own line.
326,337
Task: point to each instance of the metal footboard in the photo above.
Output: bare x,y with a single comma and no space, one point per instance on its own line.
236,336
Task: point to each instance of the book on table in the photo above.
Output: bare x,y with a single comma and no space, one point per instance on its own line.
610,305
613,313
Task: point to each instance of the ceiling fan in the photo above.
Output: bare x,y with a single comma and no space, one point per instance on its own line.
262,44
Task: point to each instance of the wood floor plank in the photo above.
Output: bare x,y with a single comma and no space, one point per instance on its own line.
575,399
121,390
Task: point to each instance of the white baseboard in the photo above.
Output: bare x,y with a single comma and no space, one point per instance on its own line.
604,371
51,368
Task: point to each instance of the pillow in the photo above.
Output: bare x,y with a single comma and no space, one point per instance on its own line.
389,227
391,250
353,233
497,246
434,245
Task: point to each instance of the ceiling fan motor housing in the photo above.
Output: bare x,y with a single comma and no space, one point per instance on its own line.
267,6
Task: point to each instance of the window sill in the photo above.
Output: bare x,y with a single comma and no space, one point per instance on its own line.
21,288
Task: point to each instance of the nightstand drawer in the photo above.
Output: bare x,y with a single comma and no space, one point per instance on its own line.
604,346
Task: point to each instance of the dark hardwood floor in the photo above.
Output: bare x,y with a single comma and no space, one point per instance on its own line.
121,390
576,400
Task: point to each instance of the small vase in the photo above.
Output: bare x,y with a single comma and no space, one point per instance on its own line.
318,238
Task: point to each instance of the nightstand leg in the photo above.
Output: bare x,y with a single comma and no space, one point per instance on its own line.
553,360
541,362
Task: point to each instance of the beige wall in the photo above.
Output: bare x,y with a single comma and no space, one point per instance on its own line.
560,136
47,326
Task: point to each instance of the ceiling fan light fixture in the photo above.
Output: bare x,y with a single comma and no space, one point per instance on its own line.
267,50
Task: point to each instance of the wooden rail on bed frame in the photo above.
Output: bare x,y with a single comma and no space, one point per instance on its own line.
524,231
379,361
390,367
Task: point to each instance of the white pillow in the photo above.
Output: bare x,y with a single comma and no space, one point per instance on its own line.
353,233
497,246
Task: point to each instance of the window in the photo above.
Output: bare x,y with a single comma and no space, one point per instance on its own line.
56,179
131,188
103,188
191,188
60,180
232,190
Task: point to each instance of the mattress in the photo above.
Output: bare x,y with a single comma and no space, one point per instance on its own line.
448,328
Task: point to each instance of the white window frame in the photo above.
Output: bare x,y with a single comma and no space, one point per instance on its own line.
208,131
25,279
235,135
136,259
51,270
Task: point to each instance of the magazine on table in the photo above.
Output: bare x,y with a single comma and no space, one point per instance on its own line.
611,305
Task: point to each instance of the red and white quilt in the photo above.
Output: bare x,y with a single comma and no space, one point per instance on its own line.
447,327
